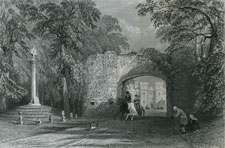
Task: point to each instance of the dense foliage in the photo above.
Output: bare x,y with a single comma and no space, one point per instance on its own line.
210,94
66,32
13,33
194,29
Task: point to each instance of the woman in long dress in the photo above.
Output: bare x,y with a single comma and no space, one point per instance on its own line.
132,109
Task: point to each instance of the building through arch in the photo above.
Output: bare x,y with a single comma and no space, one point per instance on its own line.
150,92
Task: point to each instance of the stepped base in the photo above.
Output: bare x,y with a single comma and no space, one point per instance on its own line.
30,113
35,104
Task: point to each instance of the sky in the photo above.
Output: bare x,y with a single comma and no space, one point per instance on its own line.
139,30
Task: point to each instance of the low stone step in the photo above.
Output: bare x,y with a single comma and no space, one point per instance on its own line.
29,113
26,116
29,118
33,109
33,106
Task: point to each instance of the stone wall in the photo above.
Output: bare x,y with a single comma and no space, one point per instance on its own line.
104,73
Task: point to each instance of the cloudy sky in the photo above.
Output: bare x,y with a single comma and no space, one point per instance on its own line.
139,30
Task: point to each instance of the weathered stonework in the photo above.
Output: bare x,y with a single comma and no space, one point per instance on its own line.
104,74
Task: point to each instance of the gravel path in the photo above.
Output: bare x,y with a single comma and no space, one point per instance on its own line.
152,132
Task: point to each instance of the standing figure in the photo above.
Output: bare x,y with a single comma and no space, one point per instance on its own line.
183,121
127,96
132,109
123,109
140,109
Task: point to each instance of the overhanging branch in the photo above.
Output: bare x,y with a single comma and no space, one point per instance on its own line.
200,34
197,10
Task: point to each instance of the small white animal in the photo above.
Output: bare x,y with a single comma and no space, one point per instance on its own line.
93,126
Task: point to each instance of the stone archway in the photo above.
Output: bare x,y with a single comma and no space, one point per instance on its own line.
144,70
107,73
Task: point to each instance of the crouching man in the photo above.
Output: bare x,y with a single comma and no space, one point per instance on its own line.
182,118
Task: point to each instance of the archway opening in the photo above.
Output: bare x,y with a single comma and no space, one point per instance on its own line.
150,92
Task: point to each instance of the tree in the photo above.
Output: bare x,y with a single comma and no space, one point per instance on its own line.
183,21
75,31
107,36
8,87
210,94
13,47
14,32
194,25
64,25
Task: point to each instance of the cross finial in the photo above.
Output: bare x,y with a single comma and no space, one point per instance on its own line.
33,52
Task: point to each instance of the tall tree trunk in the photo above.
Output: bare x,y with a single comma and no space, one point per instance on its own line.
213,43
10,61
62,97
2,102
43,94
80,106
51,99
65,99
67,85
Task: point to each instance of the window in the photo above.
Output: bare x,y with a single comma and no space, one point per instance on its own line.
111,102
92,103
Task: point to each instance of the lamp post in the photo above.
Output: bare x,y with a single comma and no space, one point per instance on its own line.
34,98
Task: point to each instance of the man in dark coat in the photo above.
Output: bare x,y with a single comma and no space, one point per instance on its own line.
128,97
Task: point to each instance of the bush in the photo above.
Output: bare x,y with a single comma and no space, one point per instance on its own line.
210,95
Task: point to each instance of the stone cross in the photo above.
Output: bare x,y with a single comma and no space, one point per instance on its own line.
33,52
34,98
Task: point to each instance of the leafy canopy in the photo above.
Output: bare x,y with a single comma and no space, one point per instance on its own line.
193,27
182,21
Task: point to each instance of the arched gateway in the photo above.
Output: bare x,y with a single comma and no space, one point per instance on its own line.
107,73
